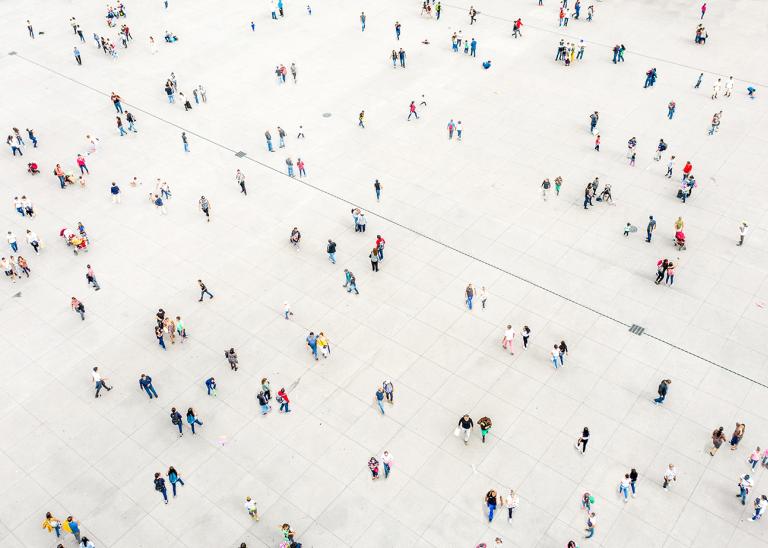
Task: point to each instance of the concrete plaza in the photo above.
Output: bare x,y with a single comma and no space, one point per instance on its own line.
451,213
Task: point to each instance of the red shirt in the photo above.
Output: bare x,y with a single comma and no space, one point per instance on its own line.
688,167
283,395
380,242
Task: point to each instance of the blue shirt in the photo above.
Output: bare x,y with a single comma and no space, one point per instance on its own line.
379,395
145,382
74,527
77,52
210,383
311,340
114,189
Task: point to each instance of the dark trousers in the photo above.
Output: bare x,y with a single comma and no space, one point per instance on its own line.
204,292
173,485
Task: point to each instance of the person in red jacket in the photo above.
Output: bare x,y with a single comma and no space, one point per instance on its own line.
687,170
516,28
282,399
380,246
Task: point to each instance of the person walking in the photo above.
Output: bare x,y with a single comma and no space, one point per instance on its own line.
174,478
99,381
263,403
738,433
312,344
184,141
485,426
240,178
670,167
76,53
671,109
52,524
73,527
231,357
176,420
469,294
283,400
374,257
624,488
512,502
554,355
745,485
754,457
203,291
743,229
508,339
387,461
464,428
362,21
650,228
562,352
377,189
145,383
491,500
597,142
268,137
760,505
361,119
159,334
389,391
250,506
583,440
210,385
526,334
160,486
380,399
192,420
633,475
591,521
373,466
717,440
331,250
662,391
412,111
205,207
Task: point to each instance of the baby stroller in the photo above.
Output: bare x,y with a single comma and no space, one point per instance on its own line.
680,240
32,168
77,242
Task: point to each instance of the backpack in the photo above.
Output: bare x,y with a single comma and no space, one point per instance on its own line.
279,399
175,418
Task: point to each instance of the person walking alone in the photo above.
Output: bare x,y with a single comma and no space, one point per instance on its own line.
662,391
583,440
203,291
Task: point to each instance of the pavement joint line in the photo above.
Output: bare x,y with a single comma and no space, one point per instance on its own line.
400,225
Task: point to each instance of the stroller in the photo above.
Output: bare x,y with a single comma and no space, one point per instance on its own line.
680,240
32,168
77,242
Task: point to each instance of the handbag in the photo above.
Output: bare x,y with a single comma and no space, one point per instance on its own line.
680,193
457,432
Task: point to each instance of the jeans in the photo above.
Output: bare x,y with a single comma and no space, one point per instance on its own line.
381,253
378,194
161,342
632,485
290,171
352,286
561,358
181,432
118,107
649,235
472,52
386,470
173,485
210,389
186,147
625,492
150,390
469,301
313,347
590,532
743,494
170,98
491,510
203,292
284,407
265,409
671,113
554,361
193,423
269,145
381,407
753,463
14,247
84,169
164,492
660,399
132,127
332,257
122,131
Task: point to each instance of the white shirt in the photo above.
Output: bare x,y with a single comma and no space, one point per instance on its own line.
555,353
27,203
509,334
743,229
386,458
250,505
31,237
96,376
729,84
458,126
670,474
513,501
17,203
483,294
11,238
625,483
746,482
